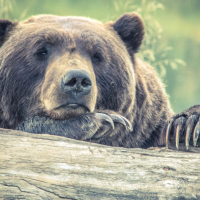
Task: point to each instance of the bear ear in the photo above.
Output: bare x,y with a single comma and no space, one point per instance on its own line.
4,24
131,30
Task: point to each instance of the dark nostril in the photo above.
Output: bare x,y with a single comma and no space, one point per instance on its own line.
86,82
71,82
76,82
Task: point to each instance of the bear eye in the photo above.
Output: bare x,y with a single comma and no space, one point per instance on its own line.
97,57
41,53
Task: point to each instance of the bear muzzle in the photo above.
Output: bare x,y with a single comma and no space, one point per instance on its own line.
76,84
74,93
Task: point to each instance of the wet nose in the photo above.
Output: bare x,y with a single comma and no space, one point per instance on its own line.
76,82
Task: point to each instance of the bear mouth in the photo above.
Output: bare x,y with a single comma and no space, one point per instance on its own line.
67,111
73,106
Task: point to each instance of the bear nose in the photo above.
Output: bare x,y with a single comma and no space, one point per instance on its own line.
76,82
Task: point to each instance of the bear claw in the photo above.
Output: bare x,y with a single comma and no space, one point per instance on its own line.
122,120
190,124
196,134
118,119
105,118
177,127
168,132
113,118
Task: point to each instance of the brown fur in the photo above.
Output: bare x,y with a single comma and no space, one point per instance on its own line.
121,84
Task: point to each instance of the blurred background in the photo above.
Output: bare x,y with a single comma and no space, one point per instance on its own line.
172,40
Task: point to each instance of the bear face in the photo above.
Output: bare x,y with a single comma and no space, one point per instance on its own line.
79,78
41,51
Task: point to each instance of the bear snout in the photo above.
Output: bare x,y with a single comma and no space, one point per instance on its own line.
76,83
68,92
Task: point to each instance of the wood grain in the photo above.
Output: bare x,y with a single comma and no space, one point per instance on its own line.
51,167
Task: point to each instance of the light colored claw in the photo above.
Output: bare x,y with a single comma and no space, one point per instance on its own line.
167,133
122,120
189,124
128,123
187,138
105,118
117,118
177,135
196,134
179,123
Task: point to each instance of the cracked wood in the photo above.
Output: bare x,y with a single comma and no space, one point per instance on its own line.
51,167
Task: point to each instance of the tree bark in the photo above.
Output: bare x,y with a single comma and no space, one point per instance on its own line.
51,167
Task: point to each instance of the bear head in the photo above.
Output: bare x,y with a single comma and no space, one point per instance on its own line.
62,67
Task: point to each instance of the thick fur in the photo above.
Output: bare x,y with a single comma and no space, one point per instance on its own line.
122,84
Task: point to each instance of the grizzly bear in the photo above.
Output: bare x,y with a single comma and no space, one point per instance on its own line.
79,78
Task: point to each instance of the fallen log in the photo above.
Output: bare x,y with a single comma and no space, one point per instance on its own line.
51,167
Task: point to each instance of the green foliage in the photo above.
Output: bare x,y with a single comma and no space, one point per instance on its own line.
153,51
6,8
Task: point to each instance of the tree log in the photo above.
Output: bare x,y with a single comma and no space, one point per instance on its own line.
51,167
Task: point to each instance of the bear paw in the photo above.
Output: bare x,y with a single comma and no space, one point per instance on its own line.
184,127
108,122
83,127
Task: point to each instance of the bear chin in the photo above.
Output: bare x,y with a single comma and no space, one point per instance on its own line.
68,111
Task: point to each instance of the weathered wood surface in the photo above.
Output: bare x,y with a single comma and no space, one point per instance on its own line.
51,167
